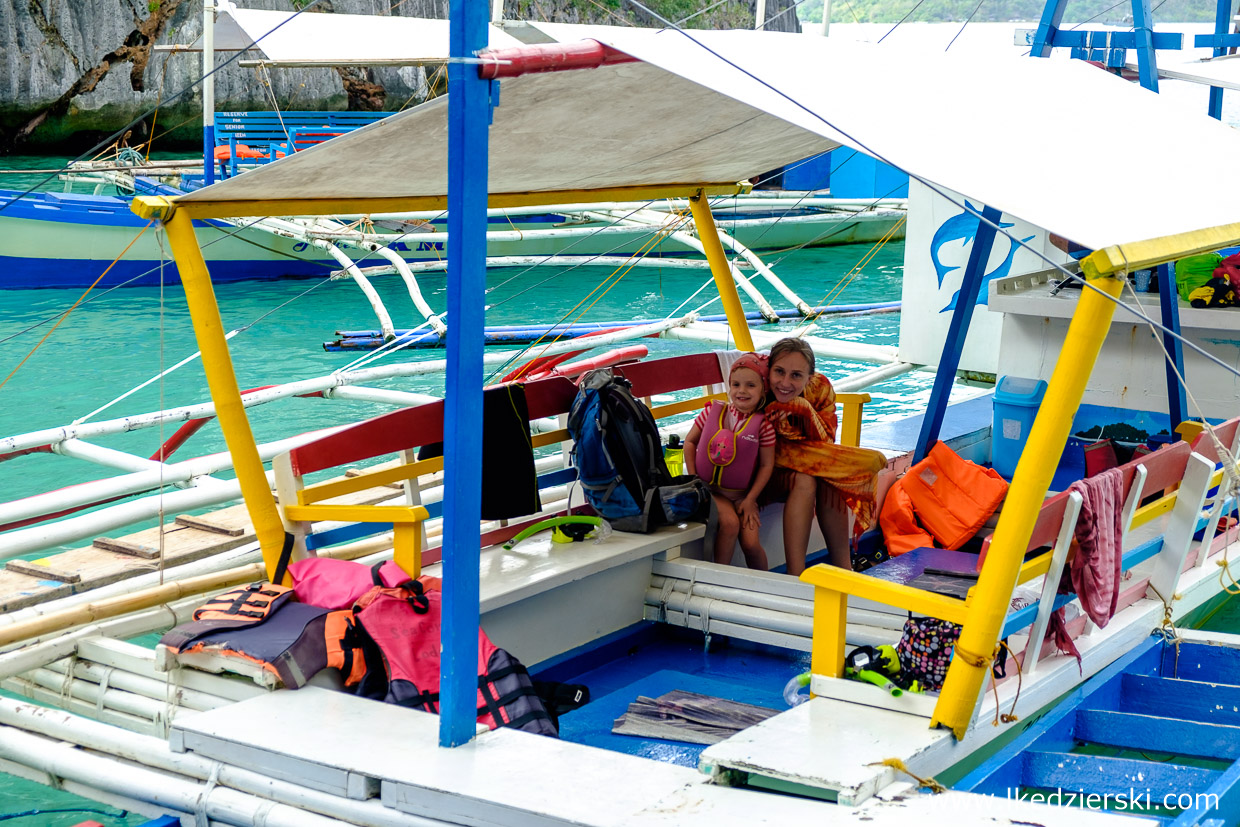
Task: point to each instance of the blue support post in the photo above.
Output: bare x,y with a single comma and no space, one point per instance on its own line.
1222,19
1048,27
945,377
1143,28
469,111
1168,298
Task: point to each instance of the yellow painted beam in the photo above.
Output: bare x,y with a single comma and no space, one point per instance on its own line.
1140,255
886,592
356,513
1154,510
1036,567
850,422
222,381
720,269
992,596
694,404
370,479
363,204
827,647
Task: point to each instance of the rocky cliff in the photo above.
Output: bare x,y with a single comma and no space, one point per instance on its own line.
75,71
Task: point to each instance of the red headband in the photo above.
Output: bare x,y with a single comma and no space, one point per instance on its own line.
753,361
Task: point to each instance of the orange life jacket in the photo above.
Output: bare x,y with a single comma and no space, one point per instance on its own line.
943,498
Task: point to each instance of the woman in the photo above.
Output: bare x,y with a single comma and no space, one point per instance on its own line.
812,473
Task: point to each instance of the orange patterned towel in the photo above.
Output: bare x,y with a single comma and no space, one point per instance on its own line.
805,430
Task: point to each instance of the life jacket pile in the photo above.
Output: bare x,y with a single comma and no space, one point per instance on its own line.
940,502
386,647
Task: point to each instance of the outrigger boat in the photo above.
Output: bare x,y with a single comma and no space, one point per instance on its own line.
68,239
170,737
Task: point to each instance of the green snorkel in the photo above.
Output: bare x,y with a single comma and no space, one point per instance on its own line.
556,523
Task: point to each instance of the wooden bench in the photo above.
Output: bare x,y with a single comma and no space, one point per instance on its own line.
402,432
1181,476
270,135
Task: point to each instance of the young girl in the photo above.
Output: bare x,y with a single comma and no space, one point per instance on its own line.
732,448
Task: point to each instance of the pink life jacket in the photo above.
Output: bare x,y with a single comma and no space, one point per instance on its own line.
730,455
404,623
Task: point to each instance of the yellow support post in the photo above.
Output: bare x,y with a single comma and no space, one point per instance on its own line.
992,596
720,269
827,647
222,381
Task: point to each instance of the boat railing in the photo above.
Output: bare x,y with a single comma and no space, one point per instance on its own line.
401,432
1172,482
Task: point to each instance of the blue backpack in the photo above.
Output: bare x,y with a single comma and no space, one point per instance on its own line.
619,460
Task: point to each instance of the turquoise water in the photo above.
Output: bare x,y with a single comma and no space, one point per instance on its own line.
114,341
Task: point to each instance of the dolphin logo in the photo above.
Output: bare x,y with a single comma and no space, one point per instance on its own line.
983,293
961,227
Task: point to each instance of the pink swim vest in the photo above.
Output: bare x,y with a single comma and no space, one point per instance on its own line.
729,455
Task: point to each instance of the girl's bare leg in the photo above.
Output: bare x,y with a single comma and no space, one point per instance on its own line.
833,520
751,545
726,531
798,516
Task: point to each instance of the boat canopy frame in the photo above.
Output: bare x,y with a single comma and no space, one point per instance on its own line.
471,107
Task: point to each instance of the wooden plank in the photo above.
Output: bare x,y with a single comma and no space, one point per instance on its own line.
1152,733
42,569
126,547
1103,775
207,524
1188,700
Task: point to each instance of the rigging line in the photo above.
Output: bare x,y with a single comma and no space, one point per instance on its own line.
701,12
943,194
848,278
585,238
120,132
613,13
616,274
159,96
852,11
656,232
897,25
680,307
141,275
75,304
193,356
1087,20
385,349
163,257
820,238
963,25
802,199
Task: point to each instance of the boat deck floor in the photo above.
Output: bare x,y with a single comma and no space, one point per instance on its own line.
665,660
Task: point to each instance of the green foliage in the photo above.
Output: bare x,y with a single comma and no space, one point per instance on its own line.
153,6
996,11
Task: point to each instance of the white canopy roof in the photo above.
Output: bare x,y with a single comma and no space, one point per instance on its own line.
1220,71
1060,144
292,38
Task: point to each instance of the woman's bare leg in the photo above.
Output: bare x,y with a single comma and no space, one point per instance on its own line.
833,520
798,516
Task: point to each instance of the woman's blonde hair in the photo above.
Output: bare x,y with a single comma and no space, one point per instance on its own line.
791,345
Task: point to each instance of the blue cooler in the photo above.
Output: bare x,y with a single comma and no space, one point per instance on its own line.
1016,404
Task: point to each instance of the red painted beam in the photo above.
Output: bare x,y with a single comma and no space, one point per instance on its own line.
548,57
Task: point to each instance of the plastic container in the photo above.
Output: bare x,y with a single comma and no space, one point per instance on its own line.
1016,403
674,456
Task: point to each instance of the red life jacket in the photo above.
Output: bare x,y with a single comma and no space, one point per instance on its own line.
398,646
729,455
943,498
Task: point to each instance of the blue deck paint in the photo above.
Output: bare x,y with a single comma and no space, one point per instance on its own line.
962,420
654,661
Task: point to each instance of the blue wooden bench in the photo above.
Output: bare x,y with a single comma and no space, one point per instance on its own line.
268,135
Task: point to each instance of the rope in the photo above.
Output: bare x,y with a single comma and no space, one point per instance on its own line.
899,766
1008,717
833,293
1167,629
75,304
